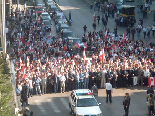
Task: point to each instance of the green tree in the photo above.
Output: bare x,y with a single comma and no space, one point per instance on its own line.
5,89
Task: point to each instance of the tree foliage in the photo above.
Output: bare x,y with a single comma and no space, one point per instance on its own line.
5,89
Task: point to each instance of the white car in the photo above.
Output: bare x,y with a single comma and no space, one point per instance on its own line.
45,16
83,103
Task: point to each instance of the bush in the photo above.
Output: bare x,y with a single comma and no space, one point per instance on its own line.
5,89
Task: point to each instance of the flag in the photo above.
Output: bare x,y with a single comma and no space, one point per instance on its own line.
47,59
31,48
151,81
20,60
113,45
123,38
28,42
28,61
94,16
81,44
23,70
106,34
84,56
102,55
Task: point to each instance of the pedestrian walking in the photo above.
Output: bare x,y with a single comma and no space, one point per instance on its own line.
126,103
94,26
70,15
98,19
133,31
148,31
85,29
95,91
151,105
91,7
153,30
128,31
144,31
115,31
108,91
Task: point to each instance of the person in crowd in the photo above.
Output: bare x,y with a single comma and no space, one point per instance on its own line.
62,83
44,83
37,85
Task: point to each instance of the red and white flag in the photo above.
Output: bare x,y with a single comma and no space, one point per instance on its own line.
94,16
123,38
84,56
28,42
23,71
106,34
151,81
20,60
102,55
31,48
28,61
113,45
81,44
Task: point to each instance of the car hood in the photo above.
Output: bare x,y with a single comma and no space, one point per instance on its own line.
88,110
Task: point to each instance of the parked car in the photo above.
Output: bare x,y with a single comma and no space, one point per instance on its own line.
67,33
45,16
47,25
52,9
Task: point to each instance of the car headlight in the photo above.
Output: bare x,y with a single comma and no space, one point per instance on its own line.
50,13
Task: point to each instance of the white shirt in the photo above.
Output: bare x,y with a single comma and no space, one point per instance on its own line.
62,78
108,86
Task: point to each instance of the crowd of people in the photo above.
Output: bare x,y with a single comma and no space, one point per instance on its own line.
43,63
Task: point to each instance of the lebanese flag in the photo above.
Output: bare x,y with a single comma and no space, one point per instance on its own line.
81,44
23,70
113,45
94,16
106,34
123,38
31,48
102,55
47,59
28,42
151,81
84,56
20,60
28,61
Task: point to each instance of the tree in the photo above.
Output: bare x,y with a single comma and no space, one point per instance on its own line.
5,89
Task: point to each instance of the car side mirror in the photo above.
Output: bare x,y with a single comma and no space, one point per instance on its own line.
99,103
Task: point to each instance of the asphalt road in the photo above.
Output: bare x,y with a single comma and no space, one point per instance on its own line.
81,16
57,104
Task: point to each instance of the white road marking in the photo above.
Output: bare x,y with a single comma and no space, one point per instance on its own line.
64,103
40,106
53,106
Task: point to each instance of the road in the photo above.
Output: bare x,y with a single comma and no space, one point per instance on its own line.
57,104
81,16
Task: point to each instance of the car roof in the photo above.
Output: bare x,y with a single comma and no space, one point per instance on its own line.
73,38
66,30
127,6
82,91
45,13
85,96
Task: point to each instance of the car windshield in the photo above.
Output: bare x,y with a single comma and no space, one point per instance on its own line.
45,15
68,34
74,40
39,9
86,102
47,23
52,9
